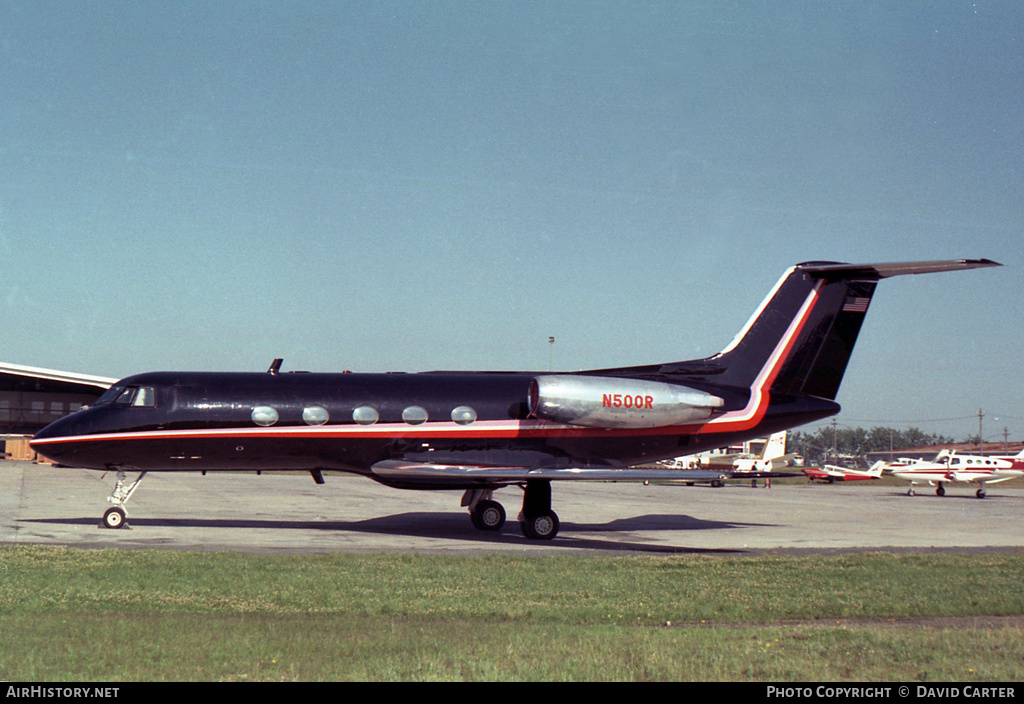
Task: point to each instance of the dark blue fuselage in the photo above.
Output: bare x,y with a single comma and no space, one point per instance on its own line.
205,422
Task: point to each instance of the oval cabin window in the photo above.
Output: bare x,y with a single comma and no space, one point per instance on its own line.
414,415
365,415
464,415
315,415
264,416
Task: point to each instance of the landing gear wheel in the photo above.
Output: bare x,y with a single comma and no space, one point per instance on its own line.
541,527
980,493
941,491
488,515
114,518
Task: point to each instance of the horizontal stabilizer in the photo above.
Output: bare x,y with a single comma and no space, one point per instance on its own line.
803,334
885,271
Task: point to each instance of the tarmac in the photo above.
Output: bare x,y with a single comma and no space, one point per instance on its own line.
289,513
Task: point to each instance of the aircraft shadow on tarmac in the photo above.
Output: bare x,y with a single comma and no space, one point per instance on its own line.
455,526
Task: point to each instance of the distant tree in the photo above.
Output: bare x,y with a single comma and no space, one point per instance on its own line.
830,442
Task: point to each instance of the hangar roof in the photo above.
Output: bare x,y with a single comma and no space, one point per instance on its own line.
19,377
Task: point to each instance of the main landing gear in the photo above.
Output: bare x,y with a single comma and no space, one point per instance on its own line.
940,490
536,520
116,516
485,513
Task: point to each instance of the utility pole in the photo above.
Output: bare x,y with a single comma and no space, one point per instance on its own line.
551,353
981,438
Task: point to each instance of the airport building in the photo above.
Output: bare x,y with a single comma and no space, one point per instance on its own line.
31,398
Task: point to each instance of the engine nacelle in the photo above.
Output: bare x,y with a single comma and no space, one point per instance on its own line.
607,402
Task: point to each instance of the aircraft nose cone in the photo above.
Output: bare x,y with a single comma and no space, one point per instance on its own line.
46,441
56,429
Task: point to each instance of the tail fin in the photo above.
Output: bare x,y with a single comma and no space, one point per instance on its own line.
775,447
799,340
877,467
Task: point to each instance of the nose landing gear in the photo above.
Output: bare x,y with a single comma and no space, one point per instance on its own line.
116,516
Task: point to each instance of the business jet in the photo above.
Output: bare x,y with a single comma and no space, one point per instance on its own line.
831,473
949,467
479,432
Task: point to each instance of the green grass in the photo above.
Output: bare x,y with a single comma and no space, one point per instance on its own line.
78,615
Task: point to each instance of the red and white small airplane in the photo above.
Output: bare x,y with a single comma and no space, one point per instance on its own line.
960,469
831,473
1017,460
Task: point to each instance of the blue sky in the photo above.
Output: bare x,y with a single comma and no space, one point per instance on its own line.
412,185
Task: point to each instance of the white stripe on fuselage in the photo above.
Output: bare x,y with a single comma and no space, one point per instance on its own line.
747,416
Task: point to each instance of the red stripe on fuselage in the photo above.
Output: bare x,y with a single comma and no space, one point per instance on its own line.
733,421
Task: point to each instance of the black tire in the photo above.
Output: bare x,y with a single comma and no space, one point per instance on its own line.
488,515
540,527
114,518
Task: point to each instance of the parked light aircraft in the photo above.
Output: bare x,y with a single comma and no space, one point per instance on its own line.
480,431
773,455
1017,460
950,467
832,473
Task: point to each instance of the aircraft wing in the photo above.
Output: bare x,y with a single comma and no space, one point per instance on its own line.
460,475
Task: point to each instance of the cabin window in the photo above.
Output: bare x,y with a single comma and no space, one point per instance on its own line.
415,415
365,415
464,415
315,415
264,416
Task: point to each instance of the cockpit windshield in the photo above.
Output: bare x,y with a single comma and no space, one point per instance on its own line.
144,396
108,396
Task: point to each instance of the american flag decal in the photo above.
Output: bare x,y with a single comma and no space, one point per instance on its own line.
856,304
